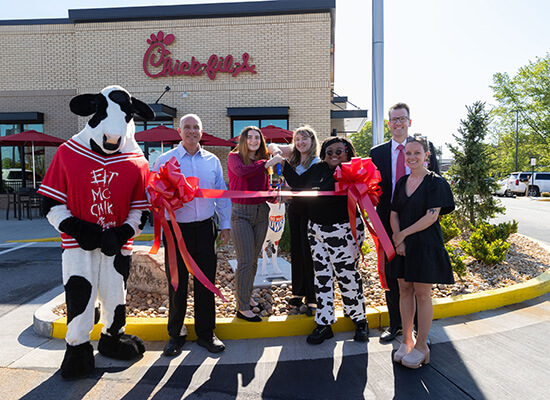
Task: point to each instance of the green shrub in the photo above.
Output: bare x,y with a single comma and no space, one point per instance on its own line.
500,231
457,261
488,252
449,228
545,194
365,248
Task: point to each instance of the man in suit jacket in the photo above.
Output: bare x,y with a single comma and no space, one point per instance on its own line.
385,158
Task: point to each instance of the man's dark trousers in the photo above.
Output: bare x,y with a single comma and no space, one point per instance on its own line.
200,240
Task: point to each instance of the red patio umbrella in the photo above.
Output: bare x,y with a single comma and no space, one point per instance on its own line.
273,134
211,140
31,138
164,134
28,138
159,133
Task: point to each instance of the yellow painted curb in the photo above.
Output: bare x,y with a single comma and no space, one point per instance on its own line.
54,239
144,237
490,299
154,329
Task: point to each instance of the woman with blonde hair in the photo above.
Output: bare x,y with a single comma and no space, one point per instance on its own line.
247,166
302,154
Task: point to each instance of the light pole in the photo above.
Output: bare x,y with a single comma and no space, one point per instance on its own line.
517,119
377,72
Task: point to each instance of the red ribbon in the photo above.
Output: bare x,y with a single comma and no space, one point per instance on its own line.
169,189
360,179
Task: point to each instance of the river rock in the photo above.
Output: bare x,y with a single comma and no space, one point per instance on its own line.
147,271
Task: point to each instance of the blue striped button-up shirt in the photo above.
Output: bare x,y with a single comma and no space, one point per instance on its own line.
207,167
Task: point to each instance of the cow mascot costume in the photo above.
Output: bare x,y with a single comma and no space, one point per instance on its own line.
95,197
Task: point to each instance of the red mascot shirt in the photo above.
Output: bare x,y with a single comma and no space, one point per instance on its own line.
97,189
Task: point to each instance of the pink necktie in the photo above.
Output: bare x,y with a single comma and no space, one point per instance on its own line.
400,166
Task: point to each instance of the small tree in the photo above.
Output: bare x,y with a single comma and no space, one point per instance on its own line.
362,140
471,170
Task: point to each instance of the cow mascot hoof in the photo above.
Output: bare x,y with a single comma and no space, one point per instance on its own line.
121,347
78,361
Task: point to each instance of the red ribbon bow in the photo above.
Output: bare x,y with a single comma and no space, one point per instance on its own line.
360,179
169,189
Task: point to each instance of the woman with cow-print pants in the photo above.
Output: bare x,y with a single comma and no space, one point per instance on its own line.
334,250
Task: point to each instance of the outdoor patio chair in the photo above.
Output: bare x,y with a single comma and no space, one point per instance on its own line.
29,199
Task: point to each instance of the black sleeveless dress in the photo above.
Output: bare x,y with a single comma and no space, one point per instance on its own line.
426,259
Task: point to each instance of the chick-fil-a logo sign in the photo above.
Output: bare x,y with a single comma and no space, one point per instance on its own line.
157,61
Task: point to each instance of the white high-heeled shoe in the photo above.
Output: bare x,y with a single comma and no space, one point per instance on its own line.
415,359
401,352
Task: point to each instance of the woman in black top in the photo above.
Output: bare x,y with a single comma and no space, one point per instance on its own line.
301,155
333,249
421,260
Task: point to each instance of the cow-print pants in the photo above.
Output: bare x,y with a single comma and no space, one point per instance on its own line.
89,276
335,253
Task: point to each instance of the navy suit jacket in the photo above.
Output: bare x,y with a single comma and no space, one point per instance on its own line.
381,157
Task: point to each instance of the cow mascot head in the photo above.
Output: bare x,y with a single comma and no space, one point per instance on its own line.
111,128
95,197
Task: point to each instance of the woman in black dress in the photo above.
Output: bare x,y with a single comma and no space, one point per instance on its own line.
421,260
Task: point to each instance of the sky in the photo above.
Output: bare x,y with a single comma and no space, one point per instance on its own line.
439,55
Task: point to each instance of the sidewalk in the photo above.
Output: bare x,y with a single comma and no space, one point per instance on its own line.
496,354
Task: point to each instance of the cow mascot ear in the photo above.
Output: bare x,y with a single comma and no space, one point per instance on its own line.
84,104
143,110
88,104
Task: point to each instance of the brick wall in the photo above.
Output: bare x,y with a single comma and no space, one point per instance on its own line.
45,65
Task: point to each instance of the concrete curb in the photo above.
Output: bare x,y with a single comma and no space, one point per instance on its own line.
44,318
144,237
46,323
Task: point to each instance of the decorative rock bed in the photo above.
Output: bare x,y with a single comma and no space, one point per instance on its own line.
148,288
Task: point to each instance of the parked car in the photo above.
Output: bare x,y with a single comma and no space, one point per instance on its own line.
11,178
526,184
502,189
539,182
516,182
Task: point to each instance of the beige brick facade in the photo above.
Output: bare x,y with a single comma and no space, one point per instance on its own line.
43,66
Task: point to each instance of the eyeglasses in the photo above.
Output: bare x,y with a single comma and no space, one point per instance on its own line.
337,152
399,119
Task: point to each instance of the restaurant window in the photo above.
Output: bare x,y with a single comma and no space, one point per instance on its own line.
14,159
241,117
237,125
152,150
